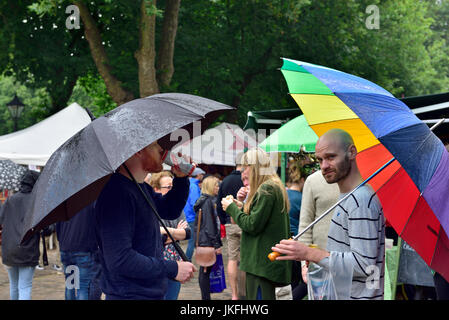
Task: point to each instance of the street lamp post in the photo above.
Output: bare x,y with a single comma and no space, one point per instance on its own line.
15,107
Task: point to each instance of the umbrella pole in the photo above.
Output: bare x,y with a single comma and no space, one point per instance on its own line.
177,247
356,188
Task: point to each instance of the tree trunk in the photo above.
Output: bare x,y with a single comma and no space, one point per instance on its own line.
164,66
146,54
98,52
61,95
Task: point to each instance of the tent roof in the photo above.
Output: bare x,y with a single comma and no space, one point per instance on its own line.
218,146
34,145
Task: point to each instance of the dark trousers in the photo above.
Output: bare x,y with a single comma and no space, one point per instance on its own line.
441,287
204,280
299,288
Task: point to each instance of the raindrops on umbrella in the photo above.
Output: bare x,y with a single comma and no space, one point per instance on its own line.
10,175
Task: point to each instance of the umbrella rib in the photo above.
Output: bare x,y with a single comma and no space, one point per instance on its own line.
436,245
326,122
179,106
99,142
410,215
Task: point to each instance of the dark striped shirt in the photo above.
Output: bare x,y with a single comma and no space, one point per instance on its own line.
356,242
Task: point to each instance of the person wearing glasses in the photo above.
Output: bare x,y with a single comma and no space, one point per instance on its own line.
162,183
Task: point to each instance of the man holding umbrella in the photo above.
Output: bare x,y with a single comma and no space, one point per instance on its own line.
128,232
355,254
107,161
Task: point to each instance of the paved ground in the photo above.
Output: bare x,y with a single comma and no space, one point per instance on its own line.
49,284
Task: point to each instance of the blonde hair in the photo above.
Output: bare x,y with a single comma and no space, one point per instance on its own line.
262,172
155,180
294,173
208,185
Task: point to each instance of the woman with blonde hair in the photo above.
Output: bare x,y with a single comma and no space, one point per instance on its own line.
264,220
209,228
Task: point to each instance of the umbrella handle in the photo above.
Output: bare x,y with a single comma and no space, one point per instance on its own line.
177,247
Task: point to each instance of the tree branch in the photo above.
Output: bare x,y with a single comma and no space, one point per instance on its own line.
98,52
164,66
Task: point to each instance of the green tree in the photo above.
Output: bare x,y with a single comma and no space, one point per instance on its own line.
34,99
438,43
122,46
395,56
230,51
39,51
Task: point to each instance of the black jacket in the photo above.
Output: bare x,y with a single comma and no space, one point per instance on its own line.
78,233
209,235
230,185
11,218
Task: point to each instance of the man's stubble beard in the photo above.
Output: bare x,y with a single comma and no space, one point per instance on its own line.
343,171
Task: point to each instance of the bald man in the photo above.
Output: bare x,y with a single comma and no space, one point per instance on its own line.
355,253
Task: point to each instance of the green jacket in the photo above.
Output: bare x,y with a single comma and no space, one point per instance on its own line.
262,229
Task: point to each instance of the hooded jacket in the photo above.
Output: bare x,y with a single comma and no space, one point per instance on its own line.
209,235
12,214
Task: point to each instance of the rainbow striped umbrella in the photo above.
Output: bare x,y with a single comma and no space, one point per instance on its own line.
413,189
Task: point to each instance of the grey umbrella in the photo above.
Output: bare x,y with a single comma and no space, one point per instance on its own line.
77,171
10,175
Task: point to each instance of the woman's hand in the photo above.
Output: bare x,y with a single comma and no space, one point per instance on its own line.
242,193
218,251
182,224
225,202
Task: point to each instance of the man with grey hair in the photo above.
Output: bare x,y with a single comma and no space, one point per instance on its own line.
355,254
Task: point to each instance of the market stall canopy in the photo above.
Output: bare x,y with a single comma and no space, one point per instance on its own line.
219,145
291,137
34,145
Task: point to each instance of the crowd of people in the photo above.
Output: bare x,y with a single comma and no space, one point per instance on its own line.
123,250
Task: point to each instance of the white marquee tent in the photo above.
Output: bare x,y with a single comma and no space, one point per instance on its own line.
34,145
218,145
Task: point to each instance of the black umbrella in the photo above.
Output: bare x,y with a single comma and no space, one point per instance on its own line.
76,173
10,175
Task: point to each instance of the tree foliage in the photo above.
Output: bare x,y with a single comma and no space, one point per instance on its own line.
41,52
226,50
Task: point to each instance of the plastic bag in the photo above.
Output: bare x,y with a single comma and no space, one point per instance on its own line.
217,276
320,284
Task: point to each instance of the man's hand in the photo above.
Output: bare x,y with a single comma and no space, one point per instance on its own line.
304,270
178,173
185,271
242,193
295,250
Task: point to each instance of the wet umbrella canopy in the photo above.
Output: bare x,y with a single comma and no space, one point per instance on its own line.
76,173
10,174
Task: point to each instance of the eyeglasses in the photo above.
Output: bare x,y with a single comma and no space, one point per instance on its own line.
167,187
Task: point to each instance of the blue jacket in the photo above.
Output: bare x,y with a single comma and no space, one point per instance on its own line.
295,198
194,195
129,238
